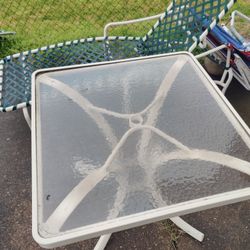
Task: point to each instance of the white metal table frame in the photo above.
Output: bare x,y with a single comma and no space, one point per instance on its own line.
135,121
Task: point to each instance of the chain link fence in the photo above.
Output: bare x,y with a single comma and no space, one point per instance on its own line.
42,22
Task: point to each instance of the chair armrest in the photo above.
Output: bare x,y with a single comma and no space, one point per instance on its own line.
223,46
233,29
120,23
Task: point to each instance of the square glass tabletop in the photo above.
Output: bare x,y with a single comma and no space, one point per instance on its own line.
125,143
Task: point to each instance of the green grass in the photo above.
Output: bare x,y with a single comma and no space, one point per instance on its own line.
41,22
242,26
242,6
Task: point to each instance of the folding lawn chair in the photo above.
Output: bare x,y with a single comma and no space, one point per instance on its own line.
235,57
176,30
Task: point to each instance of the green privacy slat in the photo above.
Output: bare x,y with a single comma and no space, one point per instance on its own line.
180,29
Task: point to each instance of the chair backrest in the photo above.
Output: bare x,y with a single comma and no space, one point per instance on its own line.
180,29
16,70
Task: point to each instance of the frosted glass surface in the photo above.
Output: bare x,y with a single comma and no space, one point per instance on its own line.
123,138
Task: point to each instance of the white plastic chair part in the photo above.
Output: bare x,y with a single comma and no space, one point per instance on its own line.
27,116
227,75
5,33
203,44
120,23
138,20
244,72
225,80
102,242
211,51
233,29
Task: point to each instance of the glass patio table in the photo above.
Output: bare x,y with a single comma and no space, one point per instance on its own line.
120,144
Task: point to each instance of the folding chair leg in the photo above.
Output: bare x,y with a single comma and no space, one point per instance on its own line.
27,116
102,242
244,72
227,74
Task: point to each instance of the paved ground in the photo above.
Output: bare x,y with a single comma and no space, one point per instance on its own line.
225,228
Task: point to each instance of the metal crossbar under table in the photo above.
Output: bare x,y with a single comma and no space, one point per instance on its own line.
120,144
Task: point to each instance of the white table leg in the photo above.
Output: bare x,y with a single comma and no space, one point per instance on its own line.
102,242
196,234
188,228
27,116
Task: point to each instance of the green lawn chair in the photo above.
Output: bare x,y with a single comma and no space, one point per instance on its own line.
176,30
